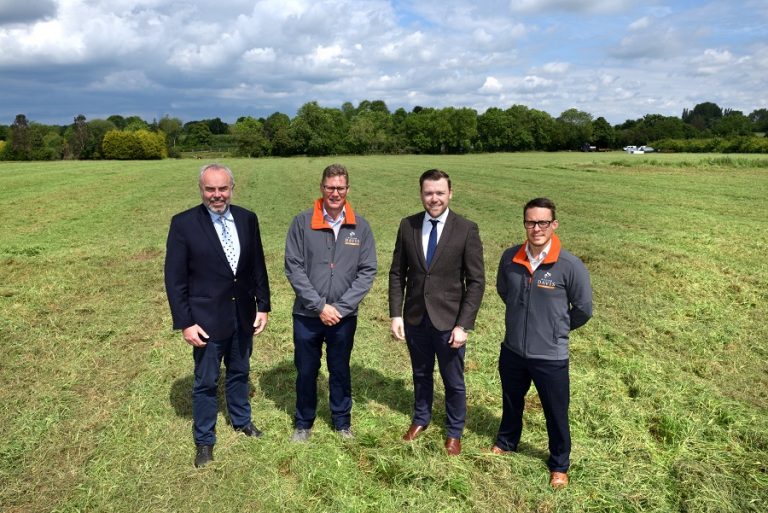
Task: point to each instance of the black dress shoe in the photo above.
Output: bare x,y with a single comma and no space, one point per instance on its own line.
249,430
204,455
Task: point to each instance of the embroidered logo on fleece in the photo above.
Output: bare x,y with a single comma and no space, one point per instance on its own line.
352,240
546,282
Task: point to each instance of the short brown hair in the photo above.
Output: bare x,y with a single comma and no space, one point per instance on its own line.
541,203
434,174
334,170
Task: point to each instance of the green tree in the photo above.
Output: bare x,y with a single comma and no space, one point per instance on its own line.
493,129
732,124
603,135
118,121
171,127
703,116
576,128
249,135
98,128
79,138
277,130
198,135
21,139
134,123
321,131
758,117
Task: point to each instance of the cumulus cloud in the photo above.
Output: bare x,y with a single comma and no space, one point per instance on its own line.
229,58
15,11
578,6
491,85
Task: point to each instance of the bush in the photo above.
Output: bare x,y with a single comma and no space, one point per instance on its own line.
138,145
744,144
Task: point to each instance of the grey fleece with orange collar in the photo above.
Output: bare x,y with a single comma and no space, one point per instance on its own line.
543,306
326,270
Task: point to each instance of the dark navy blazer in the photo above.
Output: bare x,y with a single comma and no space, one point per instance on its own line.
201,287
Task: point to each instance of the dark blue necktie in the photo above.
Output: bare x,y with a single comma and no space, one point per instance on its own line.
432,244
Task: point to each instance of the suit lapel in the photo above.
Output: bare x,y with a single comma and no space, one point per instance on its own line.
417,224
206,224
445,236
242,233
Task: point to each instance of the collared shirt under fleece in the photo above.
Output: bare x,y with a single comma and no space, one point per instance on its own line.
325,269
544,305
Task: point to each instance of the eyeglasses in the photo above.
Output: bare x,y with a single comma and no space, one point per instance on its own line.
543,225
340,190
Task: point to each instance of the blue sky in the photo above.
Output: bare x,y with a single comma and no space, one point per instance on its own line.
620,59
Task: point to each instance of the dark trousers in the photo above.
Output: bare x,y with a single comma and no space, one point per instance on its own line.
425,342
309,333
552,383
236,353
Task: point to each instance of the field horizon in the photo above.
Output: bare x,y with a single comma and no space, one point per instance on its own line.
669,380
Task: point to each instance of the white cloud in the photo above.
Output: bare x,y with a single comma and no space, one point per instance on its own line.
127,80
15,11
260,55
642,23
555,68
491,85
228,58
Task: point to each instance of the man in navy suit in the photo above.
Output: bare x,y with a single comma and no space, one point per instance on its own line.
436,284
218,291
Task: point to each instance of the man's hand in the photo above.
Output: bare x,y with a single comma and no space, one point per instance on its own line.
458,337
194,336
330,316
260,323
397,328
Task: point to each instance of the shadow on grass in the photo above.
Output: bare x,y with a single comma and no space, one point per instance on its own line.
368,385
278,385
180,396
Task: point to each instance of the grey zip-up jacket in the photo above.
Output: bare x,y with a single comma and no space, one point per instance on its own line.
545,305
326,270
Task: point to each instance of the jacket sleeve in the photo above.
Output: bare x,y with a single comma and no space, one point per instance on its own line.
294,268
501,278
579,295
176,277
260,279
366,272
474,277
397,275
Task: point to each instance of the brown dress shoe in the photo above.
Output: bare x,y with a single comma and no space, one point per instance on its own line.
453,446
498,450
413,432
558,479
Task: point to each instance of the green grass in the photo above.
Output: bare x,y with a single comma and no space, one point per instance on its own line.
669,380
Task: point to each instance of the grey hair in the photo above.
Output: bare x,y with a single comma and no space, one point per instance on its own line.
217,166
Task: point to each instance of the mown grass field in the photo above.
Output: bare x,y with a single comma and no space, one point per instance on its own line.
669,379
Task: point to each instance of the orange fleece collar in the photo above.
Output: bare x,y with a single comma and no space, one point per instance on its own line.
522,258
319,222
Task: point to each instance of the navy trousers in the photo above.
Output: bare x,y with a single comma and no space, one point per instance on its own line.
309,333
236,353
425,342
553,385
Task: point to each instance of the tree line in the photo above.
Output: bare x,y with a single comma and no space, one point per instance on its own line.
371,128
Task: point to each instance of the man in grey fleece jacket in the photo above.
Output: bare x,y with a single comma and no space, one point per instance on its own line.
330,261
547,294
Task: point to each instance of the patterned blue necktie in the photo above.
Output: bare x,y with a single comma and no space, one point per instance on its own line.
227,244
432,244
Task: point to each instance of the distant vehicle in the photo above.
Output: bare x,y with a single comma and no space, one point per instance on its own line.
588,147
640,149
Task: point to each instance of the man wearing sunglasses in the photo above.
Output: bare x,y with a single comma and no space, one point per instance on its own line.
547,294
330,261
